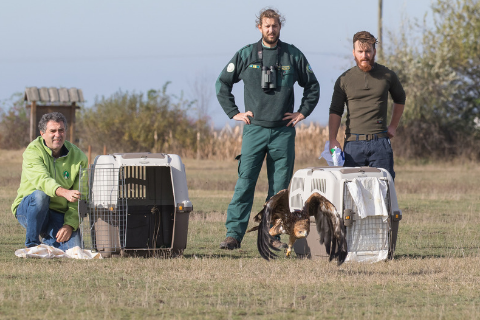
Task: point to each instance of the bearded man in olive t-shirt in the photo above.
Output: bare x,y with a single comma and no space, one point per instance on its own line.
364,90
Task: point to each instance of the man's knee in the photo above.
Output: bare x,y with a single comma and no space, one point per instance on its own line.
244,189
40,199
40,196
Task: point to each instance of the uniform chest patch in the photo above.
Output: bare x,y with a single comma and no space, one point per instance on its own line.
230,67
66,175
284,68
254,66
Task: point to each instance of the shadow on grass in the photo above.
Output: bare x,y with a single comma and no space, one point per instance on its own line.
418,256
222,255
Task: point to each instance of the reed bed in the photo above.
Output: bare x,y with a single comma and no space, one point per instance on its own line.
435,273
226,144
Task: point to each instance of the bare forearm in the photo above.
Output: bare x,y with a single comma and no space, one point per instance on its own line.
396,114
334,121
333,126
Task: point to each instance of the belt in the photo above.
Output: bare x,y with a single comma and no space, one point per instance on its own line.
365,137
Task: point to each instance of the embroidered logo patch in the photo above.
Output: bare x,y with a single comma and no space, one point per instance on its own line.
309,68
285,67
66,175
230,67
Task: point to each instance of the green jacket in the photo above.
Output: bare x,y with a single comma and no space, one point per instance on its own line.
268,107
40,171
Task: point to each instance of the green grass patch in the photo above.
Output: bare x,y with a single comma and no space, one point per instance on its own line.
435,273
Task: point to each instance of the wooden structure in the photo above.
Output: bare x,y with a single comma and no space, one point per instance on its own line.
45,100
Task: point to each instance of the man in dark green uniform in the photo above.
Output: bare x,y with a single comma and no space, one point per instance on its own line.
269,69
364,90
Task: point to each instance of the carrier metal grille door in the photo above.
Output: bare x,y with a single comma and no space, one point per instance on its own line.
103,227
367,239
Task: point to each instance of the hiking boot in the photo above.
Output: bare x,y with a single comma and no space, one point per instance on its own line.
230,243
278,244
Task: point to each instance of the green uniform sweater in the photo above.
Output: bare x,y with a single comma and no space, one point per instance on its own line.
366,97
41,171
268,108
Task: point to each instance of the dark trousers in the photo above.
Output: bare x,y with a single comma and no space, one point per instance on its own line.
373,153
278,145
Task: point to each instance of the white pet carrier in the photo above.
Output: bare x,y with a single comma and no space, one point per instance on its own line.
135,202
366,200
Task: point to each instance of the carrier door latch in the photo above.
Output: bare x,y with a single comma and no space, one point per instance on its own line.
184,206
397,215
82,208
348,217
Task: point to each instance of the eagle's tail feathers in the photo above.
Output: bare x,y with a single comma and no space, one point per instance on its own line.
264,240
342,242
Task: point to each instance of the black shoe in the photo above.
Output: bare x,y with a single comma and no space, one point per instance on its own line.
230,243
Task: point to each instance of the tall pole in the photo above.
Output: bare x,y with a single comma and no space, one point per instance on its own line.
380,42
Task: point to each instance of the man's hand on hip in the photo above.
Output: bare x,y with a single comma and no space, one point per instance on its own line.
294,118
64,233
243,117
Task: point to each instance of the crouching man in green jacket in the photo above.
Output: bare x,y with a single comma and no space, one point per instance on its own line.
46,203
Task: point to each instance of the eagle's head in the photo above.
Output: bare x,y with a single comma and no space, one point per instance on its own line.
301,227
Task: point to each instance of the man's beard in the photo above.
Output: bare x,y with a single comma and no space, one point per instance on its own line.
271,42
368,67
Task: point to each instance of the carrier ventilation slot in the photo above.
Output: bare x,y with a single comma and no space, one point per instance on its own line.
296,201
319,185
298,184
135,182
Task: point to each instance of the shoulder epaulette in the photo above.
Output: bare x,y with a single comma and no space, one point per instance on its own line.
246,51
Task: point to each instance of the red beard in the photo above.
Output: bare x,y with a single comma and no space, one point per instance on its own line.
368,67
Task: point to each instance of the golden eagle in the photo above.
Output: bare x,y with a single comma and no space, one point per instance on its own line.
276,218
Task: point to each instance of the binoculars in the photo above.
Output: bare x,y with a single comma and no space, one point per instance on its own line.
269,78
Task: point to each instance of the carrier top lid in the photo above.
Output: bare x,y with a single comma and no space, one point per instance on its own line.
141,155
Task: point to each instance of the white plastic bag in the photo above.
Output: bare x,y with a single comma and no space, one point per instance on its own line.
369,196
338,157
49,252
335,158
41,251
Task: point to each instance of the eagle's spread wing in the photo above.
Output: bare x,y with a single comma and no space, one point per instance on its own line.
275,208
329,226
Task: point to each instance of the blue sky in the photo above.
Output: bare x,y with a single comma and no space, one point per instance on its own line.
104,46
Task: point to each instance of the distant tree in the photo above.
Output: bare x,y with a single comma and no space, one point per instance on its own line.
130,122
14,123
440,72
201,90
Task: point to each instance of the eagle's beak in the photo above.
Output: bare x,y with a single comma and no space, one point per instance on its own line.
303,234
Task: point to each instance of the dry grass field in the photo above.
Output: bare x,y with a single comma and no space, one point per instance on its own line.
435,273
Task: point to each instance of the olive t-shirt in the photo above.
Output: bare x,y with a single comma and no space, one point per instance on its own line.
366,96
